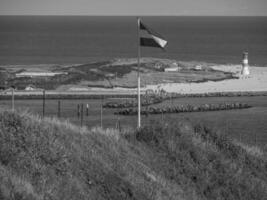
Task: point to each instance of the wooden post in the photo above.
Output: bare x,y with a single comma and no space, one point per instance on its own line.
58,109
118,124
43,103
81,114
87,110
13,100
101,114
78,111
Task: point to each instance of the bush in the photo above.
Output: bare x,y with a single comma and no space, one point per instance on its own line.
184,108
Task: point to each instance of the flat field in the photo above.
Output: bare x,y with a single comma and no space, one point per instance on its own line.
247,125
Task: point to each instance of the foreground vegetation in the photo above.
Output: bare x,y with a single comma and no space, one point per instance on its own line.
50,159
146,100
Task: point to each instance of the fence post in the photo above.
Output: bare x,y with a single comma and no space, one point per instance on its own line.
78,111
58,109
43,103
13,100
118,124
81,115
87,110
101,113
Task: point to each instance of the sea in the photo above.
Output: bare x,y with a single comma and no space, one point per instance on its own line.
84,39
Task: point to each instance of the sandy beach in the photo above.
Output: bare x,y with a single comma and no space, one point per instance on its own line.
255,82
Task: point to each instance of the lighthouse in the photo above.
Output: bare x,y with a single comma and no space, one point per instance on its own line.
245,67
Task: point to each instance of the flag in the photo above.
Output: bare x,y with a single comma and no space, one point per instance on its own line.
155,39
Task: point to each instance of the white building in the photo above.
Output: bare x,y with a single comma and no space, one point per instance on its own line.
30,88
173,68
198,68
39,74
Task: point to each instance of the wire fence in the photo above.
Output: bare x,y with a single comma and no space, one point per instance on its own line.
91,113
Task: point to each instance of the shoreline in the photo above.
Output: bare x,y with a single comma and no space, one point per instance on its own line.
255,82
253,85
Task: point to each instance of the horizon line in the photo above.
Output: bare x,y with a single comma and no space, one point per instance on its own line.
83,15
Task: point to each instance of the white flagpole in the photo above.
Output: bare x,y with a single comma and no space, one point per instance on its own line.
138,75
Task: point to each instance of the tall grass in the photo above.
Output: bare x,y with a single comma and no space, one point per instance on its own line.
209,162
52,159
49,159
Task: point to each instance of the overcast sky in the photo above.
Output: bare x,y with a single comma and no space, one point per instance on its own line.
134,7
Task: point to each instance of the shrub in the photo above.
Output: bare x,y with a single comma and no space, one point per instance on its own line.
184,108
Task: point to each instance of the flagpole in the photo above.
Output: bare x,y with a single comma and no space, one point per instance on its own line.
138,75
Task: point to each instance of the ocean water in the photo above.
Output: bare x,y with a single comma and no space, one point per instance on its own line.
83,39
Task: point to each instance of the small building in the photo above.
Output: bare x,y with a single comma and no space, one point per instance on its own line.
159,66
171,69
39,74
198,68
30,88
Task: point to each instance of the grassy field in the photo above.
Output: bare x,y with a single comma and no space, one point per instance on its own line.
249,125
50,159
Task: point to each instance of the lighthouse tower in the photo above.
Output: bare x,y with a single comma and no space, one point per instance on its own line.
245,67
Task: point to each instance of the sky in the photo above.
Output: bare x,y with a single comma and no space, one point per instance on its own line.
135,7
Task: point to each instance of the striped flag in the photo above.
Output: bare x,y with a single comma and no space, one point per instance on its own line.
155,39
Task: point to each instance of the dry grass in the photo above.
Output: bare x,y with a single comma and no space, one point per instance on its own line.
207,165
252,150
53,159
63,161
15,187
